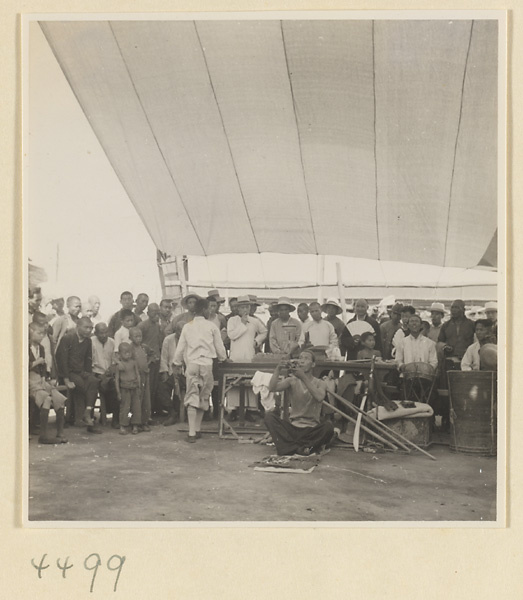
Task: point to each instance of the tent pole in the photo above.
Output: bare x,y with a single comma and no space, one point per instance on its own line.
341,292
321,278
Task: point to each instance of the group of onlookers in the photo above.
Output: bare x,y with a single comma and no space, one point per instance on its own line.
144,359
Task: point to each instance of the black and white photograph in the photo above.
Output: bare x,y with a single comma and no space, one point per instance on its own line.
265,268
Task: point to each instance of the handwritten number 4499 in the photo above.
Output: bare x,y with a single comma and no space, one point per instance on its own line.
91,563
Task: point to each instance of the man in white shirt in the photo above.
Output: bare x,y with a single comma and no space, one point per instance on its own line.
200,342
483,331
416,347
318,331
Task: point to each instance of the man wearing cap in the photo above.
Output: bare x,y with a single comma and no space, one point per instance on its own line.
152,338
286,333
304,434
437,312
491,313
388,330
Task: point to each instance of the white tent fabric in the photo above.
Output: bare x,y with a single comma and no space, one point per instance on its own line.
356,138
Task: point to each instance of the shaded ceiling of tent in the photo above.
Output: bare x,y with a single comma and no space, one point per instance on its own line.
373,139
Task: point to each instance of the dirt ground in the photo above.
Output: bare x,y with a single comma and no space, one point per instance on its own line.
158,476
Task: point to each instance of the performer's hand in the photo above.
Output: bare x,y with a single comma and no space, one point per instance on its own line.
299,373
39,361
69,384
245,319
177,371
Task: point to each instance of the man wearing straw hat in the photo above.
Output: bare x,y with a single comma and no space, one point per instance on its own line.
179,321
304,434
332,309
491,313
200,342
437,312
247,334
286,333
215,295
389,328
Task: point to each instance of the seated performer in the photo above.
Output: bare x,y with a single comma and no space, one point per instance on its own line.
304,434
483,330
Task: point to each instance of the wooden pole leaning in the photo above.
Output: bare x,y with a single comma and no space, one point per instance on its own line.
366,429
384,429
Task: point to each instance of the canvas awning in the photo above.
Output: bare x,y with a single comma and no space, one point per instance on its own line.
370,139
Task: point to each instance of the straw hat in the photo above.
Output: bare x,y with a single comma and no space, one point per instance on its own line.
215,295
491,306
284,301
190,295
332,302
437,307
243,300
254,300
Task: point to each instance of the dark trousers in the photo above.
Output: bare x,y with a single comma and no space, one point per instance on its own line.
131,403
288,438
169,400
84,393
154,380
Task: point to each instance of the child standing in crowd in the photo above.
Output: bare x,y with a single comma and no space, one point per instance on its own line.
122,335
368,342
127,380
44,392
140,355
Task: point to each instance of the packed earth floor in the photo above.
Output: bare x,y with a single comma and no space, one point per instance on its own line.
158,476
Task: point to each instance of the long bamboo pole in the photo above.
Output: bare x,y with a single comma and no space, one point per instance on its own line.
384,427
390,433
369,431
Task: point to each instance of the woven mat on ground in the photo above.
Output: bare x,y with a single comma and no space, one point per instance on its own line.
286,464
